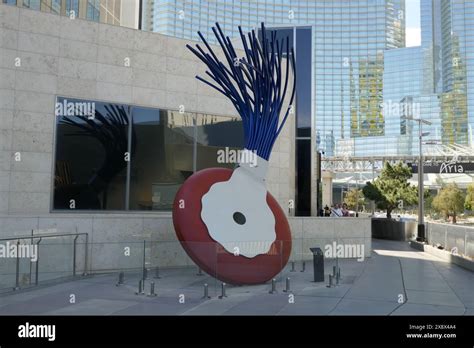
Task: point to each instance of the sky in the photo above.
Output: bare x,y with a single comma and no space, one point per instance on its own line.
413,31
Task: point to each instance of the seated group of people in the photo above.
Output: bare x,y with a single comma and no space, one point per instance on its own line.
336,210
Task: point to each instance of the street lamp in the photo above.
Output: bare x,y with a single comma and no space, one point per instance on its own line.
421,210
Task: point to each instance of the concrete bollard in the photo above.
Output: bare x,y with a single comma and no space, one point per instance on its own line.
140,287
206,291
287,285
152,290
273,290
120,279
303,267
223,294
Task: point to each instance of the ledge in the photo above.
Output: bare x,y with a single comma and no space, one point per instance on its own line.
444,255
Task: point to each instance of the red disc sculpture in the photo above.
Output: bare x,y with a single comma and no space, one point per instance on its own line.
226,220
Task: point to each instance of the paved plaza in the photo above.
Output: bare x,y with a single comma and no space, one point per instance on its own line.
395,273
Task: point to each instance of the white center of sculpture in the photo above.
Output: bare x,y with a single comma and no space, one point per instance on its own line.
236,212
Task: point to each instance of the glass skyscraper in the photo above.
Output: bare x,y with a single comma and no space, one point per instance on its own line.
348,40
448,48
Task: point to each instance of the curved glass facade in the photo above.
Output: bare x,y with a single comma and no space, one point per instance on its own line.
348,44
448,46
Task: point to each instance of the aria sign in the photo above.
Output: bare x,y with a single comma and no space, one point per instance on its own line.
449,167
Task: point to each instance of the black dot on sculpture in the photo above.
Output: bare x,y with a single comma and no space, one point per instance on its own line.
239,218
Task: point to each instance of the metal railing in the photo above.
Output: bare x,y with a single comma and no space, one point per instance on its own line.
36,240
457,239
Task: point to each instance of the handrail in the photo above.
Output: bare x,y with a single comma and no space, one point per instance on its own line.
51,235
46,235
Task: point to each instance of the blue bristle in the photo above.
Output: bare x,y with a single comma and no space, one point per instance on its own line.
254,86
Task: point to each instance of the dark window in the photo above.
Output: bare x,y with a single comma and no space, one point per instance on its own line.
218,140
303,177
163,157
72,5
105,162
303,82
32,4
91,150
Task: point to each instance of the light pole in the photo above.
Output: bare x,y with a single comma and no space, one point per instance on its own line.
421,210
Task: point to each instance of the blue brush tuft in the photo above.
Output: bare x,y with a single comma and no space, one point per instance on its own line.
252,83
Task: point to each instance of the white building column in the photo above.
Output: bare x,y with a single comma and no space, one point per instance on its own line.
327,178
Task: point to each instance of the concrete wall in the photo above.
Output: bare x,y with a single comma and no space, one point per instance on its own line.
82,59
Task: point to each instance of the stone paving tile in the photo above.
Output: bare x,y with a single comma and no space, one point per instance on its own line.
321,290
434,298
363,307
469,311
425,309
308,305
217,306
265,304
92,307
155,309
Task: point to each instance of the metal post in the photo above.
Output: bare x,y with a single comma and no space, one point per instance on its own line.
86,254
140,287
199,273
31,266
143,265
152,290
330,281
37,262
372,203
223,294
293,266
333,271
157,273
206,291
74,251
287,285
120,279
273,290
303,267
421,217
17,275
